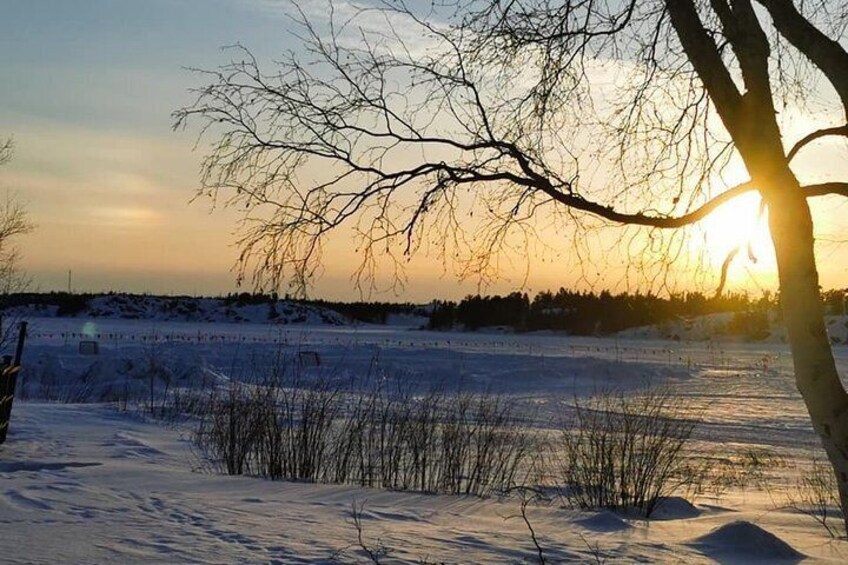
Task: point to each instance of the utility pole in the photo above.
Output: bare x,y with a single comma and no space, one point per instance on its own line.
69,281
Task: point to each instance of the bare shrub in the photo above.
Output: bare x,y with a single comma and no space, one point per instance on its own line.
158,377
320,429
526,496
440,442
816,494
374,552
229,431
625,451
739,469
295,428
181,404
45,382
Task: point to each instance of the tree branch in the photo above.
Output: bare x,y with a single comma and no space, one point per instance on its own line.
494,114
826,189
825,53
670,222
6,147
706,59
725,266
834,131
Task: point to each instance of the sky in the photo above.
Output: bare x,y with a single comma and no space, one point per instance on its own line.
87,94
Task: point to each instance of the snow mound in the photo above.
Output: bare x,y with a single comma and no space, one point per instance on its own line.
603,522
746,542
674,508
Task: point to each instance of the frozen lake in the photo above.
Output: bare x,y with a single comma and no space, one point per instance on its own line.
746,392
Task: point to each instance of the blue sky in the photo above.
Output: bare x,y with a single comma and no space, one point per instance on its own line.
88,92
118,64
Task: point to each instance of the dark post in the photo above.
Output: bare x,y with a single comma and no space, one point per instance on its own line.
4,399
8,381
19,352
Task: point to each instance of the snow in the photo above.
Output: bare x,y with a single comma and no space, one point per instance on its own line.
746,391
674,508
742,541
603,522
89,483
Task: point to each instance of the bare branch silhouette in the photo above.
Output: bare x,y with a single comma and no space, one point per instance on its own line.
469,128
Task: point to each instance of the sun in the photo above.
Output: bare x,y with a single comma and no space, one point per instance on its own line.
738,224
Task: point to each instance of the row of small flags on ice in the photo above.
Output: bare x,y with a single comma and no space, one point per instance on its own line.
189,338
283,339
297,338
286,339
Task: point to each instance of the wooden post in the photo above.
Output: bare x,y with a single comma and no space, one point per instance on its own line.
8,381
6,393
19,352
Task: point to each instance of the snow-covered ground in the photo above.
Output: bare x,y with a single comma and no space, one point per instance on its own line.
86,483
715,327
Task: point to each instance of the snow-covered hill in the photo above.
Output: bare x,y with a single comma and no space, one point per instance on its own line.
185,309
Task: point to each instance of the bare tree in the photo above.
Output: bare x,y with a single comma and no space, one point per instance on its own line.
14,222
405,123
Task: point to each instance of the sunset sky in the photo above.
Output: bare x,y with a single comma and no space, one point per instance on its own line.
87,93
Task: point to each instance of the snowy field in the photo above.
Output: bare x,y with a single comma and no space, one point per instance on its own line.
83,482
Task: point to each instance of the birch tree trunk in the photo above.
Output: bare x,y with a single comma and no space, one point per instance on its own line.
815,370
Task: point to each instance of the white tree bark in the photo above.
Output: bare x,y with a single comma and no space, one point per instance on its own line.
815,370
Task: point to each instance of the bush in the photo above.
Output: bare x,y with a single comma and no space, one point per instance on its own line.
625,452
718,472
323,430
619,452
295,429
753,325
816,494
229,430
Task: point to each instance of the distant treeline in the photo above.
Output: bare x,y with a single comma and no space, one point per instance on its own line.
585,313
368,312
836,302
578,313
68,303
